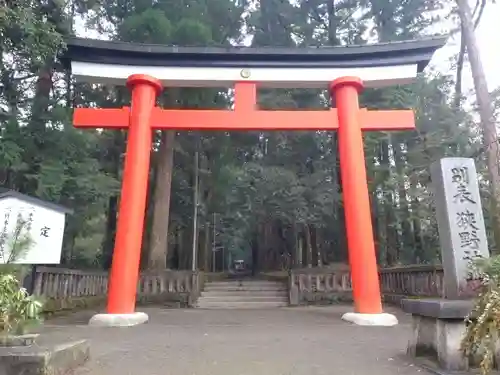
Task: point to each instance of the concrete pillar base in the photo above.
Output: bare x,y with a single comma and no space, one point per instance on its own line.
438,330
380,320
118,320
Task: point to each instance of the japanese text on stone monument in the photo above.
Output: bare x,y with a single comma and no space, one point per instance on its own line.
462,233
466,211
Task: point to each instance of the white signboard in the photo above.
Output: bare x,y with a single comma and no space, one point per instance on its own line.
459,214
30,233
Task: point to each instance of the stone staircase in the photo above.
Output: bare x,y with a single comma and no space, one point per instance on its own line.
243,294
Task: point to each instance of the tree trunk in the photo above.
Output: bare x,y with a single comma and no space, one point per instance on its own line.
38,119
340,243
419,253
262,245
374,204
389,225
320,247
309,246
407,243
158,247
486,112
183,248
255,252
109,237
194,248
179,244
300,245
457,100
207,248
297,251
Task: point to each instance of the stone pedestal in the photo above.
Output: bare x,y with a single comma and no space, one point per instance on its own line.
56,359
438,329
118,320
378,320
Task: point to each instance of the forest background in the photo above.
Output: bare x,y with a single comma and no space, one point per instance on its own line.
274,197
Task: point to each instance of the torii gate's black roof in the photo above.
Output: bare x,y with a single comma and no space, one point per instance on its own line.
355,56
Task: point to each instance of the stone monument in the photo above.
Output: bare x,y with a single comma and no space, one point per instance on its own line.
439,324
462,234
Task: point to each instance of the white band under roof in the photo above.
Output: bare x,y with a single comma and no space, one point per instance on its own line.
377,76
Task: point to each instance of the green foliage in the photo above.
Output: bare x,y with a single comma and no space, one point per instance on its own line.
483,325
268,190
27,35
191,32
18,310
149,26
15,245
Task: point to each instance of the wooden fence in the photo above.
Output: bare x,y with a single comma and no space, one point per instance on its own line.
306,285
61,284
323,285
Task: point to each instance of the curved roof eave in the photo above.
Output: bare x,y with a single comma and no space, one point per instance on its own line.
417,52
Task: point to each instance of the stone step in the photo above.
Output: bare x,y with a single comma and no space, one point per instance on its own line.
244,292
251,288
240,305
244,281
239,298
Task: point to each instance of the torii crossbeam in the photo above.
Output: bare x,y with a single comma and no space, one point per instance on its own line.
244,117
187,67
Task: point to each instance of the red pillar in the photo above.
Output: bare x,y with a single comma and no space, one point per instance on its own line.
362,259
127,252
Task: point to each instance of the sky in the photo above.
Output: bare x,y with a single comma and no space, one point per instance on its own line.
487,35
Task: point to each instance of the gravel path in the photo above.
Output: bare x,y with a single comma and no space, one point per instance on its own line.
287,341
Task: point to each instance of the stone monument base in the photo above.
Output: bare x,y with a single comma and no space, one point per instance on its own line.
438,330
381,320
58,359
118,320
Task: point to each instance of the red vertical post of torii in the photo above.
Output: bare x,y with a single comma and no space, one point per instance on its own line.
358,220
124,273
143,117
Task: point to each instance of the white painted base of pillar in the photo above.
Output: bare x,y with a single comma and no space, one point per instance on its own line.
380,320
118,320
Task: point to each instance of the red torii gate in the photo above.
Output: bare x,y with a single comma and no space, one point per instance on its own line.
244,68
142,117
